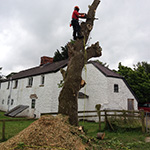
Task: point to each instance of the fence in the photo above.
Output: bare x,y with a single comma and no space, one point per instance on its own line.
147,121
103,115
100,114
10,120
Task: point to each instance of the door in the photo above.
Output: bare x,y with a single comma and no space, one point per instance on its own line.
130,104
32,111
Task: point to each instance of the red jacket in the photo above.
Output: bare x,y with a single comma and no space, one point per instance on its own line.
75,15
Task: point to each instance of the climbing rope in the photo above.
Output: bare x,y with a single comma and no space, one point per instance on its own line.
85,68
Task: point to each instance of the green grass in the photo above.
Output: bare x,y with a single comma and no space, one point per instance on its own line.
12,128
119,140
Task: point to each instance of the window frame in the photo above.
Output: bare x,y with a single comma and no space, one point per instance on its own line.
15,84
8,101
8,85
12,102
42,79
3,101
30,81
33,103
116,88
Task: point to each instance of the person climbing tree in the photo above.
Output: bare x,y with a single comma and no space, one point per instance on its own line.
79,54
75,23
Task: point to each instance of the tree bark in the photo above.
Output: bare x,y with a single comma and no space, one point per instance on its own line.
78,56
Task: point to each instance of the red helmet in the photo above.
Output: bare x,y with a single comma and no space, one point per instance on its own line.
76,8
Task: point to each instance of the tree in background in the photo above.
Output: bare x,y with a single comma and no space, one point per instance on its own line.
138,78
144,64
58,56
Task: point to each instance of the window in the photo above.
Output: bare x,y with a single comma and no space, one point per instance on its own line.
16,84
12,102
42,79
30,81
8,102
145,105
116,88
3,101
8,85
33,103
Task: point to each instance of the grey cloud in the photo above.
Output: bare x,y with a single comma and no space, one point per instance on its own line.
30,29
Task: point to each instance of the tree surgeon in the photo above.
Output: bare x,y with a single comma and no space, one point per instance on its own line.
79,54
75,23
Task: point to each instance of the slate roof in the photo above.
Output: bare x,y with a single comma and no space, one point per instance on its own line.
106,71
47,68
55,66
82,95
15,111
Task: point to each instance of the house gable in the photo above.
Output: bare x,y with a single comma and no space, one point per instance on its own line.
109,73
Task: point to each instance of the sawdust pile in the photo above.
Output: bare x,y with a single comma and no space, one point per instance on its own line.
48,132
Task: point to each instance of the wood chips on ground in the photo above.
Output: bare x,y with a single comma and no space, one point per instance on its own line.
48,132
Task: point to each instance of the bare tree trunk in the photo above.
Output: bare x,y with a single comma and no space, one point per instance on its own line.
78,56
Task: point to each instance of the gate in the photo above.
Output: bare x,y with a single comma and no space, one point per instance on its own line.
147,121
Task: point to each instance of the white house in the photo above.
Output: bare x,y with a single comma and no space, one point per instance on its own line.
36,91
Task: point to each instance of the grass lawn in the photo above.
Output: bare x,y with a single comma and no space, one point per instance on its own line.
120,140
12,128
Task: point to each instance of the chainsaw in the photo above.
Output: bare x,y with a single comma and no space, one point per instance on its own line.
84,16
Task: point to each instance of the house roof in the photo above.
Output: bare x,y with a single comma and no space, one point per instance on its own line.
47,68
16,110
106,71
82,95
55,66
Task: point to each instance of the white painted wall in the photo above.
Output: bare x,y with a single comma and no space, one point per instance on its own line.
96,86
99,88
119,100
47,100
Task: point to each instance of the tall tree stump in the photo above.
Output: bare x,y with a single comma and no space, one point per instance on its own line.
79,54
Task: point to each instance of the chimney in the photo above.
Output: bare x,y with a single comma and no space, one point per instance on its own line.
45,60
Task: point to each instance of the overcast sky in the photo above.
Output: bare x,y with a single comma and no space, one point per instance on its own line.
30,29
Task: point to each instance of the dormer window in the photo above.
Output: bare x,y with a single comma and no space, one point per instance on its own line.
42,79
15,84
30,81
